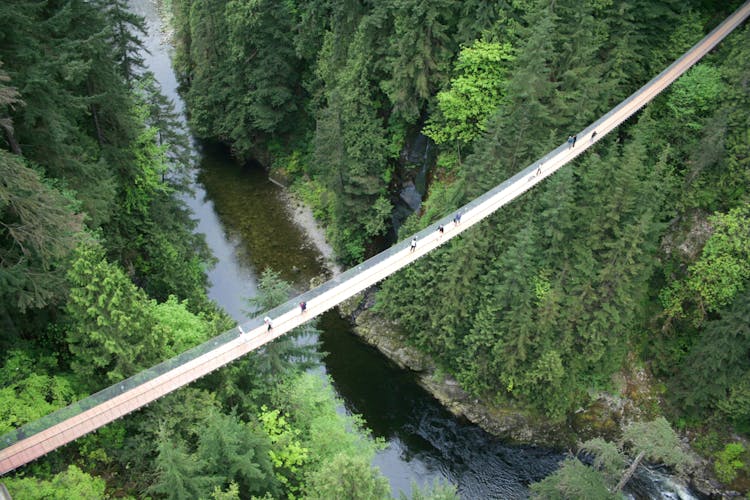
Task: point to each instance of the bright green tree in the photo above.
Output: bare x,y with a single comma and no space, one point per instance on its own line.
111,332
728,462
347,477
476,91
72,483
31,388
722,270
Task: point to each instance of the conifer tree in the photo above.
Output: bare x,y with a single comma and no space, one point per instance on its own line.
126,31
236,452
418,55
39,227
111,325
179,474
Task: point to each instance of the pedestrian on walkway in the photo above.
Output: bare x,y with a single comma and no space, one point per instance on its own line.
457,219
239,327
303,307
441,231
575,138
593,136
570,141
268,323
413,245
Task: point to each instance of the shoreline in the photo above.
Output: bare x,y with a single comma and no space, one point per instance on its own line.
514,425
302,216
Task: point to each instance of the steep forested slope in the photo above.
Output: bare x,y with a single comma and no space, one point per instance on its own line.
101,276
636,252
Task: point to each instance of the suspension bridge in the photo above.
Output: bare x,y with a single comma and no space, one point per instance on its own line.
37,438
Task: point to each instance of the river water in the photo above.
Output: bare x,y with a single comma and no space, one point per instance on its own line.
248,229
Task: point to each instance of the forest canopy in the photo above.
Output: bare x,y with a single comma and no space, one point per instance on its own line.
635,256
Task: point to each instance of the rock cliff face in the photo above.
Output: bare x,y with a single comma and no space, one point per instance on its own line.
513,424
605,417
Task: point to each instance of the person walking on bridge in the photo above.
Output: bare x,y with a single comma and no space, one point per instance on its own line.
413,245
268,323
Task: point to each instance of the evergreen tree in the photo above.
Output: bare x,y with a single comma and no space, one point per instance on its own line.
178,473
111,333
126,29
419,53
714,372
236,452
350,147
170,130
39,227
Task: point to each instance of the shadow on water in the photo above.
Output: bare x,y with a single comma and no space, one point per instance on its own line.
425,441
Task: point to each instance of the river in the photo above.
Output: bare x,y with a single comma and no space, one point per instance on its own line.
248,228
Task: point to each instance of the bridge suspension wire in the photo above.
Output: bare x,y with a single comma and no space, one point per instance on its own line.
37,438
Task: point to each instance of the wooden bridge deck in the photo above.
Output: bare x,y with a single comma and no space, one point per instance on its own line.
38,444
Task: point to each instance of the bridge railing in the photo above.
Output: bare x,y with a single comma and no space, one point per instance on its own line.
602,126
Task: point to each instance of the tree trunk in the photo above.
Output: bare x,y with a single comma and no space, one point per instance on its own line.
14,146
629,473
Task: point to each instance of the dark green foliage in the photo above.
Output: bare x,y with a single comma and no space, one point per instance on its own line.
418,57
538,303
234,450
573,480
170,132
84,138
126,28
714,374
239,61
39,227
606,477
178,474
536,306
